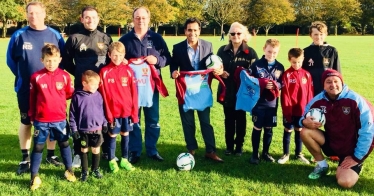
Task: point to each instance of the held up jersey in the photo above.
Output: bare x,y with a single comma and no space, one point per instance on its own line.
193,89
147,79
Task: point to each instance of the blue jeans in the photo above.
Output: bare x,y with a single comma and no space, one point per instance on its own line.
152,129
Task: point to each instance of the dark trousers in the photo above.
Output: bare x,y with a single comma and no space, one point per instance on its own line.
235,123
189,129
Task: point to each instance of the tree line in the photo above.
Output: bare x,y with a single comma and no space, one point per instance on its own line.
353,15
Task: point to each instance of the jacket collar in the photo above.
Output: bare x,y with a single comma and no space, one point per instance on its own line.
243,47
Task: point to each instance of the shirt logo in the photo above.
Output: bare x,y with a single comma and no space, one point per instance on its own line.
43,86
149,44
292,80
304,80
27,46
110,80
100,45
145,71
311,62
82,47
59,85
346,110
323,108
124,81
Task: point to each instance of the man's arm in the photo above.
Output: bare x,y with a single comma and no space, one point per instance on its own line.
10,59
174,63
164,58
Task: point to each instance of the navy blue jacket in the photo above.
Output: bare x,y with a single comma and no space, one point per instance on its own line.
260,69
86,111
152,44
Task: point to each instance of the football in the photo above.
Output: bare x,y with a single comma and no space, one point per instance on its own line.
317,114
213,62
185,161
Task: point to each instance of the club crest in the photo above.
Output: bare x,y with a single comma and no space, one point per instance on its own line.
82,47
303,80
100,45
149,44
124,81
346,110
83,143
23,115
36,132
145,71
59,85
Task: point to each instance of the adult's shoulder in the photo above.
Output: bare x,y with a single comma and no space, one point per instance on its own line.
204,43
180,44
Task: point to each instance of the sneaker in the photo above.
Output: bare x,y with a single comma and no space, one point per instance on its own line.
301,158
70,176
228,152
126,165
254,160
267,157
54,160
84,176
318,172
97,174
113,166
76,161
284,159
23,167
238,152
35,184
105,156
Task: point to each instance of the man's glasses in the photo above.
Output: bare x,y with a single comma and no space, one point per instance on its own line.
233,34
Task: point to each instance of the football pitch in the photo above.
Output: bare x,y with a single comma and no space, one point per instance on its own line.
233,177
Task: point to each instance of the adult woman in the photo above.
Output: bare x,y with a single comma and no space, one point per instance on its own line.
235,54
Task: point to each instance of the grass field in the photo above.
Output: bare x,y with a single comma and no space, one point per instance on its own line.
234,177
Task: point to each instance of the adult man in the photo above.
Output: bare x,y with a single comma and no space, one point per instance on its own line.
349,130
190,55
142,42
86,50
23,59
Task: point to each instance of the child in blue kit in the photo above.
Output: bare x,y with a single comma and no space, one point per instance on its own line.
87,121
264,114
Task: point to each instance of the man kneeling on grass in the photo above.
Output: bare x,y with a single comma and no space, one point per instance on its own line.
349,130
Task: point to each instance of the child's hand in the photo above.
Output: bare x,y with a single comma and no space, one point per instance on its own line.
175,74
76,135
113,125
309,123
125,61
151,59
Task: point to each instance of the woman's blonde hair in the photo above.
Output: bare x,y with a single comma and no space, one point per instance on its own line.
246,34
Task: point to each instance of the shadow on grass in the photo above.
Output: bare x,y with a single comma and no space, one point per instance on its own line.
239,167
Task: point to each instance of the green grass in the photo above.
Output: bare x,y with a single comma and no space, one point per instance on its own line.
234,177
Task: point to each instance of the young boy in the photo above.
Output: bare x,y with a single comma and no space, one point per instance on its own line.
49,90
87,121
320,56
264,114
297,91
119,91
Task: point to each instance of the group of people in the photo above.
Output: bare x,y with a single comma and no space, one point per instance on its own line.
113,81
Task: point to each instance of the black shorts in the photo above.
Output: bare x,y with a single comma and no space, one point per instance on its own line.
329,152
264,117
293,124
23,98
91,139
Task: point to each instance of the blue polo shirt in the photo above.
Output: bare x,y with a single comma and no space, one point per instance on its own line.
151,44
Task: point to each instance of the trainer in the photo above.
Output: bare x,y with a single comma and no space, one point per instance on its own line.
142,42
86,50
23,59
349,130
